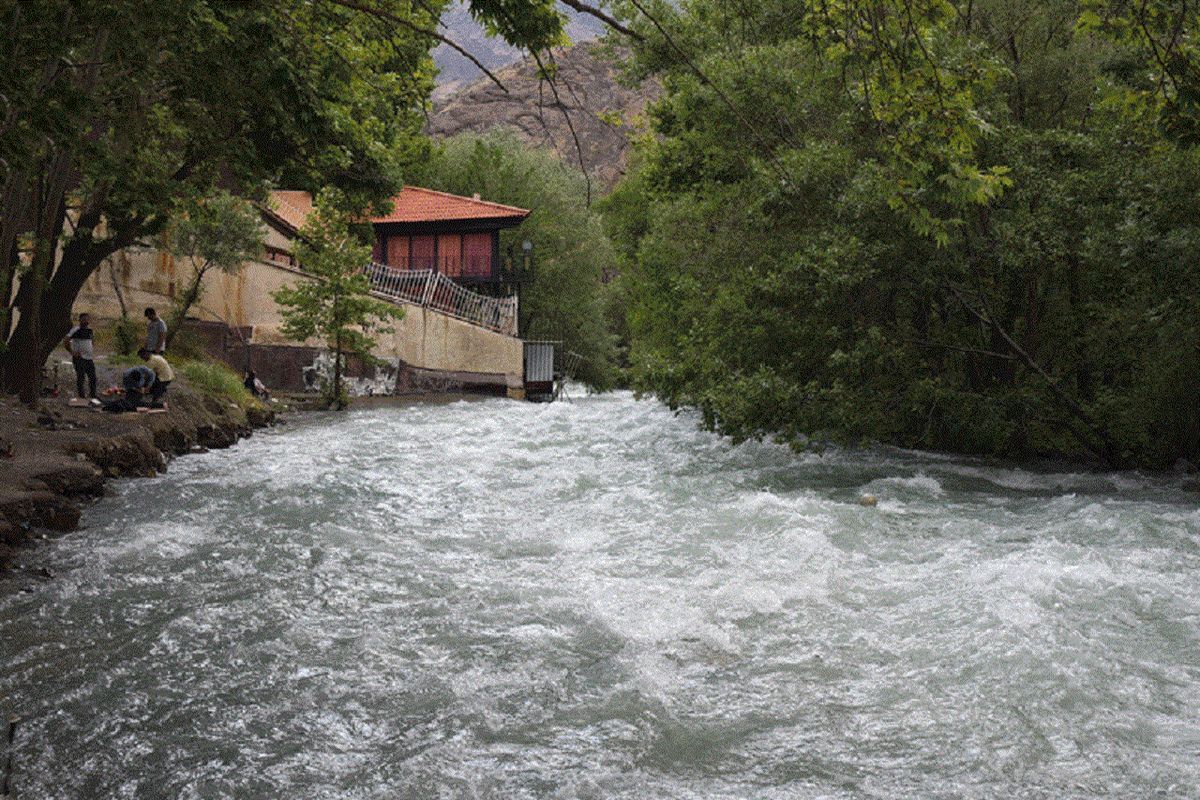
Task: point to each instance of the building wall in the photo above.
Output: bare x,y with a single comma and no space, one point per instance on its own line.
424,341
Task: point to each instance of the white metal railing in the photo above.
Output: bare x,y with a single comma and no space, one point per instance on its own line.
429,289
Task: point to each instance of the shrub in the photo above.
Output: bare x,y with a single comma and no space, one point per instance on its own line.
216,380
187,346
126,336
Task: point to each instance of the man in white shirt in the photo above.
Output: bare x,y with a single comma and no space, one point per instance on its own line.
79,343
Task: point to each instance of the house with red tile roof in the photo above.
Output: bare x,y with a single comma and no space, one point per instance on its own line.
423,229
438,256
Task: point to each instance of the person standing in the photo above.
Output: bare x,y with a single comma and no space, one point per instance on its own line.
78,342
163,375
156,332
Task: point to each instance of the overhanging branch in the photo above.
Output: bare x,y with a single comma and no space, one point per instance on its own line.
1107,449
605,18
549,78
388,16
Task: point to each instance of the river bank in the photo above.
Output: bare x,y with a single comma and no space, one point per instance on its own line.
57,458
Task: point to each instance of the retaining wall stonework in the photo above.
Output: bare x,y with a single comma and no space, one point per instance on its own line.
239,323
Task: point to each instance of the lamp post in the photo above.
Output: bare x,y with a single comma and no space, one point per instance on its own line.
523,274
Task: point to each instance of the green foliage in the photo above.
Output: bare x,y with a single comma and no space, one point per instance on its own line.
536,24
127,335
218,232
335,307
216,380
951,229
1158,61
125,111
567,301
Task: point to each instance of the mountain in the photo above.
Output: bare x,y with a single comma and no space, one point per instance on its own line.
604,112
455,71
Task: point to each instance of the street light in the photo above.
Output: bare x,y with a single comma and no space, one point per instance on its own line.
524,275
526,261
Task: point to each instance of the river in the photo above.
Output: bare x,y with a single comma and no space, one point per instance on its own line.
595,599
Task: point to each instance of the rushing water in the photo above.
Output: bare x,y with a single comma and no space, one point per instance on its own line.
593,599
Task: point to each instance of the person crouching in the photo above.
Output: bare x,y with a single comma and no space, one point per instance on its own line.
135,382
163,375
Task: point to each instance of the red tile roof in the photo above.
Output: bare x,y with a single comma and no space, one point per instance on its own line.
413,204
293,207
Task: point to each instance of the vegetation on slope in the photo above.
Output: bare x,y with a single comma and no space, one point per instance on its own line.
966,226
568,298
213,379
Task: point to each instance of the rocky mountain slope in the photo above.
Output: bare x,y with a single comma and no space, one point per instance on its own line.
604,113
455,71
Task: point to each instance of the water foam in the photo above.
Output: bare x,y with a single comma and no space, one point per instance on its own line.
596,599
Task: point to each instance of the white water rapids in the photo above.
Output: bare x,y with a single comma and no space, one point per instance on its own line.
594,599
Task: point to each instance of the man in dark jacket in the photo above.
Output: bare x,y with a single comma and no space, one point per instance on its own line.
135,381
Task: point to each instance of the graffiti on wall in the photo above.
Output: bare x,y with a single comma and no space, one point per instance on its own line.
379,380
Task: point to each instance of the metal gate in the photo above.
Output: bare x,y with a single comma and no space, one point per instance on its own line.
539,371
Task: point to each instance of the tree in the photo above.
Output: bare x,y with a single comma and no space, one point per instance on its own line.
1159,61
936,225
219,232
566,300
336,306
116,112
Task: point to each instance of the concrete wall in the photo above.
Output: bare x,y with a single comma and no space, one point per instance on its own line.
428,349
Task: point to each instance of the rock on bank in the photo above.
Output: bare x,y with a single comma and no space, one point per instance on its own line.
54,459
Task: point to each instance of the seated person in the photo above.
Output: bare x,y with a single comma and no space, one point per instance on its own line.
255,386
163,375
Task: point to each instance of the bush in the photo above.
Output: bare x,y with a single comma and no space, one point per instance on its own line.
187,345
216,380
127,336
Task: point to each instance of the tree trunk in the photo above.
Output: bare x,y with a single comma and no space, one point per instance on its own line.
116,286
23,370
337,371
16,216
35,337
13,201
37,334
8,274
189,298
